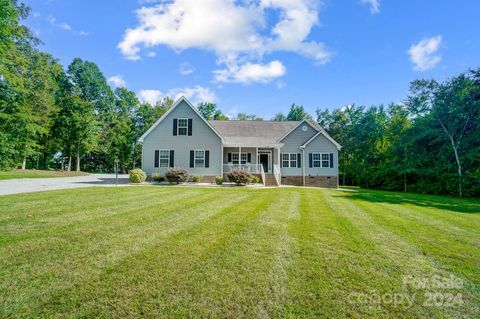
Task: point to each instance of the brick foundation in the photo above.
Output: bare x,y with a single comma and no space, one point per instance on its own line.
313,181
205,179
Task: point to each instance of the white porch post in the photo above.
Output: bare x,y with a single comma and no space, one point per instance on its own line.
279,166
256,160
221,160
239,156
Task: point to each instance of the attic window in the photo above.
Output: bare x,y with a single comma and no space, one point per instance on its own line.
182,126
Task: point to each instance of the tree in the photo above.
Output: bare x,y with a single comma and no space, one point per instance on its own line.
297,113
210,111
248,117
279,117
453,106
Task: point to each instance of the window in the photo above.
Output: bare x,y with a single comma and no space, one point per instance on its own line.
164,158
182,126
199,158
317,162
325,160
321,160
244,158
289,160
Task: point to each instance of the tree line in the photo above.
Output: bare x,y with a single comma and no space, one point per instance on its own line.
70,118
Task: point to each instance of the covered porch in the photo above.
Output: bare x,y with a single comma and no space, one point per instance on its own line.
259,160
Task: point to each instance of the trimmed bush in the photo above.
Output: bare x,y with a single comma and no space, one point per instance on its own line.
255,179
176,175
218,180
196,179
137,176
240,177
156,177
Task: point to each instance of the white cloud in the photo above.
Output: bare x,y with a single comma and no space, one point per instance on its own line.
238,32
186,68
374,5
65,26
196,94
117,81
423,54
151,54
250,72
150,96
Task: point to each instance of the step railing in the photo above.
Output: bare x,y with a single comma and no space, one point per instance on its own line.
262,172
276,173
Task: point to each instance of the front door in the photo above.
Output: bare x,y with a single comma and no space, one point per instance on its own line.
264,162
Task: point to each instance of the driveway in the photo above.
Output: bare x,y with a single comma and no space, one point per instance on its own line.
27,185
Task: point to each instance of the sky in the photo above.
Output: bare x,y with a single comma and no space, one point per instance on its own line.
260,56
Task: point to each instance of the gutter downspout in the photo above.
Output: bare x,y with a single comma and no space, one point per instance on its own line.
303,165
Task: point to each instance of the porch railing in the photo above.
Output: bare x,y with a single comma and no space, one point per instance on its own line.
252,168
262,172
276,173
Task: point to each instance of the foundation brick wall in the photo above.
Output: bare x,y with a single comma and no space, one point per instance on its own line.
313,181
205,179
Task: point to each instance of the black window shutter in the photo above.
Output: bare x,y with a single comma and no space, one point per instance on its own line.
310,160
331,160
174,127
189,127
281,160
249,157
192,159
299,160
207,159
157,156
229,157
172,158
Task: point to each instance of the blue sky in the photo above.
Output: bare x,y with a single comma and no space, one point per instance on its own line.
260,56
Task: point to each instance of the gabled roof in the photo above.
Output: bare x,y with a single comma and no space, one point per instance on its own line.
249,133
182,99
253,133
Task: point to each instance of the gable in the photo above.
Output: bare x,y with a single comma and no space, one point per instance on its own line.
303,132
185,110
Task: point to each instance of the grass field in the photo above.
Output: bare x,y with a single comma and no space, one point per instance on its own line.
31,173
206,252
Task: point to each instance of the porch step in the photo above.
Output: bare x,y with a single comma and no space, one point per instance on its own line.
270,180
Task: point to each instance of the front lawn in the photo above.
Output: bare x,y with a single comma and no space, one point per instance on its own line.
31,173
208,252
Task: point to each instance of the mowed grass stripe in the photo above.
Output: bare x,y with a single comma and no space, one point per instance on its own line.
403,257
113,242
164,278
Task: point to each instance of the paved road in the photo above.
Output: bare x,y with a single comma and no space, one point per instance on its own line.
27,185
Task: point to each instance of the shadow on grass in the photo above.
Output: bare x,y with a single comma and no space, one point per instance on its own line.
460,205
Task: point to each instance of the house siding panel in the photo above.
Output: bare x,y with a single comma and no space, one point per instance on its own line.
203,138
321,145
292,143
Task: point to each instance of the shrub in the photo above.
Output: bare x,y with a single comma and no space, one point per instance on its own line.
255,179
218,180
176,175
156,177
196,179
137,176
239,177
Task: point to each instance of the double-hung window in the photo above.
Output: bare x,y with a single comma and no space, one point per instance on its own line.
199,158
164,158
289,160
317,159
182,127
243,158
325,160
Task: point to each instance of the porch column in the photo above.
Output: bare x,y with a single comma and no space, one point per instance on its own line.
256,160
221,160
240,157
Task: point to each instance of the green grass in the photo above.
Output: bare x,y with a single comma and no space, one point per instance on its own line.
18,173
206,252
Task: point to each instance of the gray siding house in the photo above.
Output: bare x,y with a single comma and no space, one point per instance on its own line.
290,153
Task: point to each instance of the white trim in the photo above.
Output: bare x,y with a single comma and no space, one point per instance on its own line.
195,158
160,157
181,99
178,126
293,129
328,137
321,160
289,160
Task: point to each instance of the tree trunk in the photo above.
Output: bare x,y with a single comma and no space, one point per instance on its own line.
344,170
134,153
78,157
24,163
69,163
459,167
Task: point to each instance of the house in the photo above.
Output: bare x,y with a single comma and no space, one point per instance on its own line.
290,153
